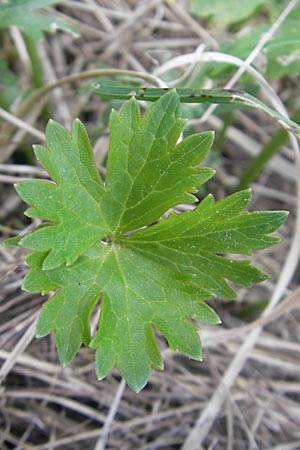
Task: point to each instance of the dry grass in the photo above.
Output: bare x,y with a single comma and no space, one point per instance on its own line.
245,395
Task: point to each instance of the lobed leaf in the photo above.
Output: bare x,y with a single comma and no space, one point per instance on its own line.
189,242
147,172
71,205
105,243
137,295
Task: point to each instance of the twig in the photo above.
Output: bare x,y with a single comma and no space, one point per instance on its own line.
19,123
18,350
101,443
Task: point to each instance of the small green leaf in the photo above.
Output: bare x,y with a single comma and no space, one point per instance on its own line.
21,13
229,12
9,89
107,243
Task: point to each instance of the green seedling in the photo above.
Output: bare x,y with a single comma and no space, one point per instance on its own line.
111,243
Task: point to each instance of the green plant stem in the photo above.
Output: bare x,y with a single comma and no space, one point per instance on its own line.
219,143
3,102
259,163
36,68
43,91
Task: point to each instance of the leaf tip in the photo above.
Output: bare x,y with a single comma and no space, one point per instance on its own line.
283,215
51,123
137,386
17,187
247,193
77,126
13,241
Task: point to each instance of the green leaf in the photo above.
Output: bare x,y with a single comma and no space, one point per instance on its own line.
280,55
283,50
12,241
147,174
21,13
188,242
137,295
152,173
9,89
107,242
71,204
227,12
